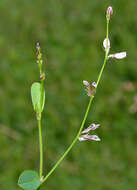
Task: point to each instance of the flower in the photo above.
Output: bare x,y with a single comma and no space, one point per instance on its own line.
85,133
88,88
91,127
86,83
89,137
120,55
94,84
91,89
106,44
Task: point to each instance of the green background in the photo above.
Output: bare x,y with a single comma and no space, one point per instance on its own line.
71,35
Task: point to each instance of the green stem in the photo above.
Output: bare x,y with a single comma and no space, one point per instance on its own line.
42,94
85,116
39,61
40,148
72,144
106,55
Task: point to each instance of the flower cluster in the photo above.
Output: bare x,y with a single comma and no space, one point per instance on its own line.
40,61
91,89
85,133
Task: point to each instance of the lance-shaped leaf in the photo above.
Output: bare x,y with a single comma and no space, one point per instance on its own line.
36,97
29,180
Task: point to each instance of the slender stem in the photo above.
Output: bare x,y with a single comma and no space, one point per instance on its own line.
40,148
106,55
42,94
85,116
72,144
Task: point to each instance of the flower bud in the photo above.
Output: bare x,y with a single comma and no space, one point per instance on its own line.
109,12
41,179
37,46
42,76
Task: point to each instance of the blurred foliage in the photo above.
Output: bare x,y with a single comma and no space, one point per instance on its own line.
71,35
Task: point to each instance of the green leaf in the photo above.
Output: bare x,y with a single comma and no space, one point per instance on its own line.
36,97
29,180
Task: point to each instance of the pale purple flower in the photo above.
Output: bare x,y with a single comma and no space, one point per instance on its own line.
93,137
85,133
91,127
94,84
120,55
94,126
106,44
88,88
86,83
89,137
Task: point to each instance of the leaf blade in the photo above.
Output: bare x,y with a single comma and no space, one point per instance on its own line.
29,180
36,97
